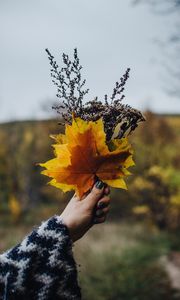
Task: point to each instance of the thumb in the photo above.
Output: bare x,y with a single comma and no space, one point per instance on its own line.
95,193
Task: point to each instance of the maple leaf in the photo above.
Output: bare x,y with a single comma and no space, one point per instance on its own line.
82,155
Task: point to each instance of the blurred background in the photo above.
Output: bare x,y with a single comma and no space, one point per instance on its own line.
136,254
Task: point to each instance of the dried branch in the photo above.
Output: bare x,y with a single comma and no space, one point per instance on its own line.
71,93
68,82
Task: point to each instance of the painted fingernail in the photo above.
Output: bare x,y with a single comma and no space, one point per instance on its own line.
99,185
99,212
101,205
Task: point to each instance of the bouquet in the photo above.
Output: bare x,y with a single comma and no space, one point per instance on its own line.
95,143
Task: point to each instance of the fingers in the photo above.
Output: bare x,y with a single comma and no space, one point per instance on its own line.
102,212
102,209
106,190
101,215
99,220
103,202
95,194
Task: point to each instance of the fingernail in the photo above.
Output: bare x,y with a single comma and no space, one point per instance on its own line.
99,185
101,205
99,212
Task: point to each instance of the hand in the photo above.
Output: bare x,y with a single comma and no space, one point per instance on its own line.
80,214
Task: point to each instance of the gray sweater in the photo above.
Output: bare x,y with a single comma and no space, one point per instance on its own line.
41,267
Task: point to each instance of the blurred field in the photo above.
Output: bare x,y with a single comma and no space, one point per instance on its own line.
117,262
133,254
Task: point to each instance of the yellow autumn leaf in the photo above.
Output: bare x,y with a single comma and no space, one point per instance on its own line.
82,155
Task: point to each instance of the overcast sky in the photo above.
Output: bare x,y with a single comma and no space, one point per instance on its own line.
110,36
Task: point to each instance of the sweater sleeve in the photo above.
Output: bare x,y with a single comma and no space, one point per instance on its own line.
41,267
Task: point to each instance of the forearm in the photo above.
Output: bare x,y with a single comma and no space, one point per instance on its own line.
41,267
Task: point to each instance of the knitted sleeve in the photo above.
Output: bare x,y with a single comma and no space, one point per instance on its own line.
42,267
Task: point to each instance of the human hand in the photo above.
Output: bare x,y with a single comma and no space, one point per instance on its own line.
80,215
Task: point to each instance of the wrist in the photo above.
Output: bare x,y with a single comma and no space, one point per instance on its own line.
68,223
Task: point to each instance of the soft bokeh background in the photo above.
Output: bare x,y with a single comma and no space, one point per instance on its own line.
136,254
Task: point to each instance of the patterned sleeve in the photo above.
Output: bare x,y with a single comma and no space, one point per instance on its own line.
42,267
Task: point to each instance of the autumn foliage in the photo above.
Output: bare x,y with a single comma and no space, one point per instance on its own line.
82,155
153,190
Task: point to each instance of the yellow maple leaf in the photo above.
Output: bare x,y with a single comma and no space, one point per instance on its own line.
82,155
